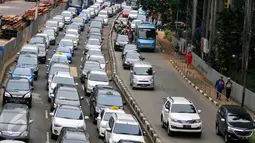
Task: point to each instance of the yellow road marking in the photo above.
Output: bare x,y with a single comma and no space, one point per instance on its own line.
74,71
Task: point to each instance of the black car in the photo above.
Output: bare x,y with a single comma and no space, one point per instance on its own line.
18,90
42,53
120,42
88,65
129,47
73,135
65,94
130,57
29,61
128,141
103,97
234,123
15,122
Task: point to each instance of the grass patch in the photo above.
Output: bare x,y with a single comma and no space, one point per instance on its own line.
168,34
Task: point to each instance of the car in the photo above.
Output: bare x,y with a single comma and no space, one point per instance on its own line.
29,49
86,67
94,30
92,12
15,122
66,116
18,90
38,40
11,141
51,34
68,16
73,10
127,48
125,12
74,135
104,117
73,38
123,126
131,57
59,78
133,14
57,58
179,114
141,11
97,8
67,43
80,22
53,24
75,27
95,77
100,59
61,20
93,52
93,44
65,94
56,67
87,12
42,53
123,19
110,11
120,42
65,51
104,14
99,18
107,3
29,61
128,141
134,23
141,17
73,32
23,72
142,75
96,24
84,16
234,123
96,36
46,38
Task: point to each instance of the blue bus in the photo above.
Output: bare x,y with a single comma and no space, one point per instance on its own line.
79,4
145,36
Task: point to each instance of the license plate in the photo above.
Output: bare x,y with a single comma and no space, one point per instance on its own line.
144,85
145,46
187,126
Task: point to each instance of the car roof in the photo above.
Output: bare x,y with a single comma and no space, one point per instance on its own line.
75,134
235,109
126,118
60,65
67,87
179,100
69,107
97,72
91,61
115,111
142,64
64,74
15,108
24,68
58,55
20,79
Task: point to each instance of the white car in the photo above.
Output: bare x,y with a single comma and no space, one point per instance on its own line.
57,58
61,21
180,115
92,12
67,43
100,59
74,38
95,77
86,11
103,118
66,116
133,14
134,23
97,8
73,32
46,38
104,14
60,78
123,126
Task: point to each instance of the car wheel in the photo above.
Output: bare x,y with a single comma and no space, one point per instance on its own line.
226,138
162,122
52,136
49,100
94,119
29,104
169,132
199,134
217,129
36,77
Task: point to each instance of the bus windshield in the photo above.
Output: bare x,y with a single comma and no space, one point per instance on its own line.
148,34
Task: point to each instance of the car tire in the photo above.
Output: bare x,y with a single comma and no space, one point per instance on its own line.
36,77
29,104
199,134
217,130
49,100
226,138
52,136
169,132
162,122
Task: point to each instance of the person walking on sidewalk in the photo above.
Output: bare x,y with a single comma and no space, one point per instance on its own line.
159,25
176,50
189,59
228,88
219,85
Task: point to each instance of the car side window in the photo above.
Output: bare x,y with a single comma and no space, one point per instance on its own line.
167,105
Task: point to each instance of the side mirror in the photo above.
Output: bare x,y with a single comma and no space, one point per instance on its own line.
222,119
142,58
49,59
76,84
106,62
47,72
86,117
10,73
98,118
108,129
51,114
82,98
199,111
31,121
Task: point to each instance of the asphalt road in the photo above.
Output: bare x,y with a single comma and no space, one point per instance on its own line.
40,129
17,7
168,82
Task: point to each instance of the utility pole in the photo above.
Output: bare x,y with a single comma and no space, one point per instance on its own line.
187,20
203,34
248,12
208,19
194,17
36,9
213,19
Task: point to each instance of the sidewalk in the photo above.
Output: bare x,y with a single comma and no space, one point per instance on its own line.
192,74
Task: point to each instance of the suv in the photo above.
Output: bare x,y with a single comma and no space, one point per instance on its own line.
142,75
180,115
123,126
18,90
234,123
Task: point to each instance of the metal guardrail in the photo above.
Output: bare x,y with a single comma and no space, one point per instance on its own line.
145,124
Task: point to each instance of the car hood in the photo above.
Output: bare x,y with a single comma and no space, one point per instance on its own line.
93,46
243,126
18,93
68,122
68,102
94,83
132,60
146,41
184,116
122,42
117,137
143,77
12,130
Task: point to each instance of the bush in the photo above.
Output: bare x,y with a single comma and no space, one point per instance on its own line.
168,35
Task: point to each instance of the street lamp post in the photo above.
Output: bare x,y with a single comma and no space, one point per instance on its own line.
36,9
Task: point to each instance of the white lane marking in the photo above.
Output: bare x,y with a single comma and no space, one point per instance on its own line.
46,114
82,86
87,101
81,59
47,137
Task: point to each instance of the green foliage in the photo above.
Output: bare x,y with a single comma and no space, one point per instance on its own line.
168,34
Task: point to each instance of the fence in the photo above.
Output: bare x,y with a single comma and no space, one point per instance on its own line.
14,45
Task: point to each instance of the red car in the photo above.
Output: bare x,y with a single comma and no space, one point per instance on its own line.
125,12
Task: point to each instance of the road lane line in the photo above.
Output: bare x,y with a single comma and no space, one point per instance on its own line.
81,59
87,101
46,114
82,86
47,137
74,71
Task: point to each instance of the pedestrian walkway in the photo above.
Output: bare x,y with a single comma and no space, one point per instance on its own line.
192,74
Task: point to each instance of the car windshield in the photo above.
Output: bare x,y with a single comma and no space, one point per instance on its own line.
69,114
71,37
239,118
148,34
122,38
17,86
66,43
13,118
37,40
141,17
56,69
93,42
107,116
130,47
72,32
49,32
95,30
41,49
59,59
63,50
67,95
127,129
25,60
143,71
101,60
132,55
95,24
67,14
94,52
64,80
109,100
21,71
183,108
78,20
126,10
98,77
51,24
92,66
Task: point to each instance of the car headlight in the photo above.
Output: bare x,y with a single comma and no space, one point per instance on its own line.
198,121
98,109
28,95
7,94
55,105
151,79
84,73
0,133
57,125
135,80
117,43
173,120
24,134
49,81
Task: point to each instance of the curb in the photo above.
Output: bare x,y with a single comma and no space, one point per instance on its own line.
194,86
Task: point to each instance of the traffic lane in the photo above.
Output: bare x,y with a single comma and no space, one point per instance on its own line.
168,82
15,7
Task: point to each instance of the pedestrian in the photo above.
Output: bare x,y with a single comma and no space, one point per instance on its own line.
228,88
176,50
159,25
189,59
219,85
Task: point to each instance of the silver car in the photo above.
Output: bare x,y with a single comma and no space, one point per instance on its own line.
46,38
86,11
51,34
68,16
92,11
93,52
104,14
110,10
142,75
100,59
74,38
93,44
97,8
73,32
53,24
61,21
133,14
